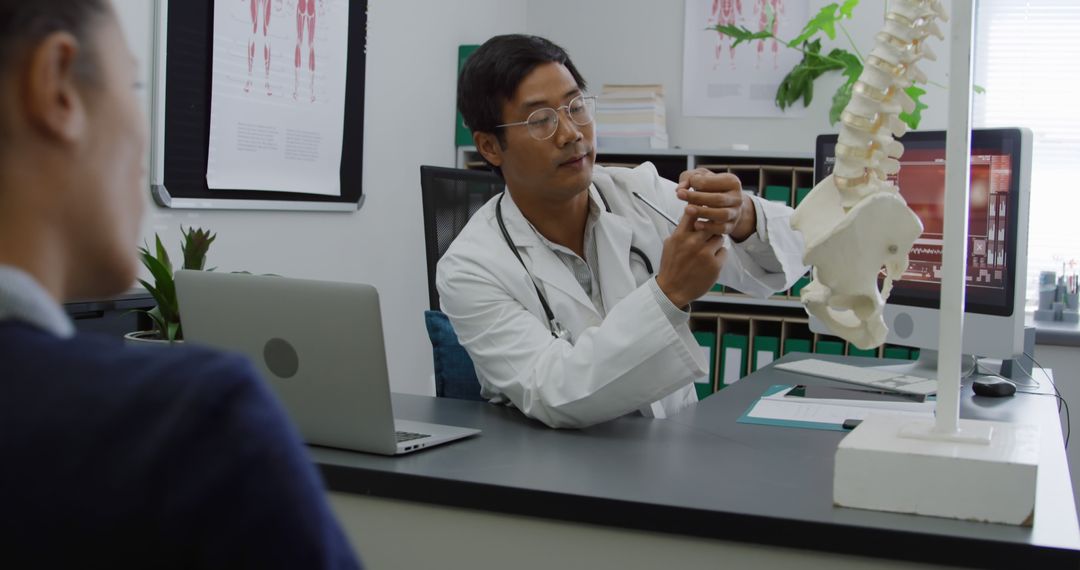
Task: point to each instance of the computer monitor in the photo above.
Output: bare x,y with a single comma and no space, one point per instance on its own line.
997,242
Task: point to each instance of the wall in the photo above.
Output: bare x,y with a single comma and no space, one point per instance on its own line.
641,41
409,116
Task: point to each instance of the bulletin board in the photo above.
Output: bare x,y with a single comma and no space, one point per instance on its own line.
181,107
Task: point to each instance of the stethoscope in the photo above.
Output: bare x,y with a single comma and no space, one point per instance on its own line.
558,331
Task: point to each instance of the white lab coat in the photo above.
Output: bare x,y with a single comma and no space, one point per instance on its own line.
632,359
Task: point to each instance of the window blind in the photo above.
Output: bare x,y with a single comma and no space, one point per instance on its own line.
1027,56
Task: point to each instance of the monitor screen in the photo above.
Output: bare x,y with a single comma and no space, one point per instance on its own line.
992,217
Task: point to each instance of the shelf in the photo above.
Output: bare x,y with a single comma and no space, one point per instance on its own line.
752,301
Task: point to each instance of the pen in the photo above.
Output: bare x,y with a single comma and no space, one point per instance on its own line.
655,208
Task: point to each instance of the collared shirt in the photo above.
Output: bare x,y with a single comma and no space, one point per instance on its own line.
585,271
22,298
587,274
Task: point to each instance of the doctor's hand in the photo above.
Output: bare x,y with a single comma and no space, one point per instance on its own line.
691,260
724,209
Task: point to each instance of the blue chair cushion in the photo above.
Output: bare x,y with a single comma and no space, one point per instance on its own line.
455,375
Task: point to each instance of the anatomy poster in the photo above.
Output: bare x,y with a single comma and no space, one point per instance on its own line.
720,80
277,105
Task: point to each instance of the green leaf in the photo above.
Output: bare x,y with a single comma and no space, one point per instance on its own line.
912,119
839,103
824,21
741,34
159,323
174,332
163,282
978,89
853,68
808,93
847,7
162,255
799,82
195,245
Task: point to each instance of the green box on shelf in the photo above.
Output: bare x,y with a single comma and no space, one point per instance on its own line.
462,134
765,347
776,193
707,341
830,347
801,193
703,389
797,288
898,352
914,354
869,353
796,345
733,358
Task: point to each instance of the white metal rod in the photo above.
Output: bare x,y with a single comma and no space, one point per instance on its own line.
954,249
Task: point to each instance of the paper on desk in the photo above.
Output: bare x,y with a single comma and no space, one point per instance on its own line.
776,409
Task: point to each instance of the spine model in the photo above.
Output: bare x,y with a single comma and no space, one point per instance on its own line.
855,222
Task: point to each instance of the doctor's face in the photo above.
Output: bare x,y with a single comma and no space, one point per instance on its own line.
559,167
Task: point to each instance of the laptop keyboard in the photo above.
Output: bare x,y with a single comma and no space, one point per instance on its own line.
408,436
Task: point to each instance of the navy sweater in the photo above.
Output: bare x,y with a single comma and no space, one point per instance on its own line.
165,457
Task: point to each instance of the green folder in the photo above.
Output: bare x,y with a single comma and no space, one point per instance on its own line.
732,358
707,341
796,345
717,288
897,352
462,134
797,288
766,350
830,347
914,354
801,193
853,351
778,194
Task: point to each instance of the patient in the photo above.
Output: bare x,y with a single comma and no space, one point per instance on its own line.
112,456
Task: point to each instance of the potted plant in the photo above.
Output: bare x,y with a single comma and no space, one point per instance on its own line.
166,315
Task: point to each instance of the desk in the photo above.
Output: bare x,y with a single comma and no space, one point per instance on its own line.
697,475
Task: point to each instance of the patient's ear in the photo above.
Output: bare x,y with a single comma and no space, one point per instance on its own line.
489,147
51,94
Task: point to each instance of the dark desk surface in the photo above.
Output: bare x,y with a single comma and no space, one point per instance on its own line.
700,473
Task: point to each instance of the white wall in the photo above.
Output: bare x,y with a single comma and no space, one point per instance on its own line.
409,116
641,41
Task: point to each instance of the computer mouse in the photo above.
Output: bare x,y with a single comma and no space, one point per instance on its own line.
993,388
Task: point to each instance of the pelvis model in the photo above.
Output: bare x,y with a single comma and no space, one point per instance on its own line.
855,222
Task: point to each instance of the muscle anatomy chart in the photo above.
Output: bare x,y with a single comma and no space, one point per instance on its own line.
276,122
721,80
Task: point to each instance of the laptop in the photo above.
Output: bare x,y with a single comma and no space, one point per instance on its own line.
319,345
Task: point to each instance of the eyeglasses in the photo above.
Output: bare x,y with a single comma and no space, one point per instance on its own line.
543,123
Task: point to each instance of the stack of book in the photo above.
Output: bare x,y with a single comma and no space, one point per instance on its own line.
631,118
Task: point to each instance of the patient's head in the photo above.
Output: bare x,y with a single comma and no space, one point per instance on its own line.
72,142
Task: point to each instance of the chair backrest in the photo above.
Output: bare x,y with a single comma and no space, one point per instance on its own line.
450,196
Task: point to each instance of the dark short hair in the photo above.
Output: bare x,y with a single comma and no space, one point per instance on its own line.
491,76
25,22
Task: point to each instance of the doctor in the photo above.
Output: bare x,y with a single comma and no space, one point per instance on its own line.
569,292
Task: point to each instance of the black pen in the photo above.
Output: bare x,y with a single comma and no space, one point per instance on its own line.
655,208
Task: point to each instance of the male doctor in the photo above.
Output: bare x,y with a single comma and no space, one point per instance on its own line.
568,291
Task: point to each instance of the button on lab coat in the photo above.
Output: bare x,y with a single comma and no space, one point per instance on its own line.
633,358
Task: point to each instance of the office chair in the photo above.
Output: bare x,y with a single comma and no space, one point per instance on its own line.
450,197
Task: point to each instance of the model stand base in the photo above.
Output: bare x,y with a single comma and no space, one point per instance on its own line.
985,472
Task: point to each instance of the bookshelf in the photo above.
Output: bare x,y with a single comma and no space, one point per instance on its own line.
740,333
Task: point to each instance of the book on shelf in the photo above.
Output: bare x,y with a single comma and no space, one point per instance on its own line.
631,118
